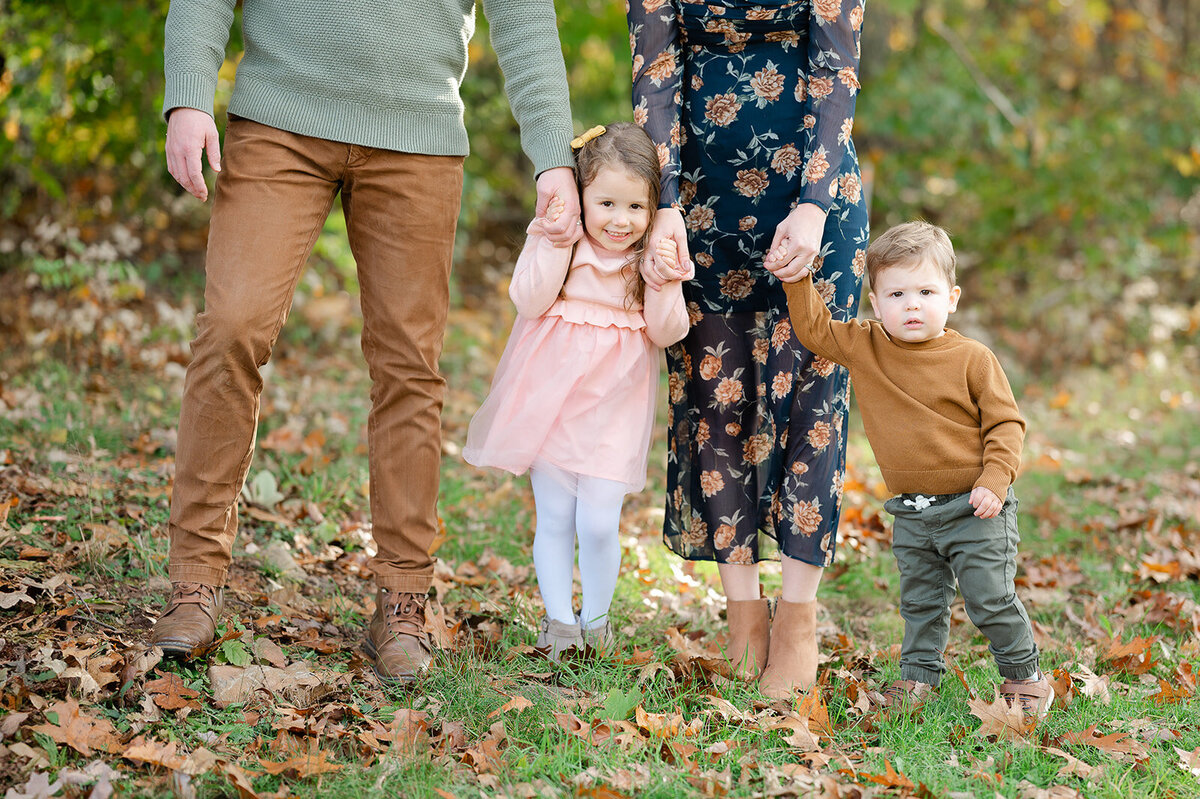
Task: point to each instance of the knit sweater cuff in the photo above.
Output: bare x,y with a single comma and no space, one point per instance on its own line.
189,90
551,149
995,481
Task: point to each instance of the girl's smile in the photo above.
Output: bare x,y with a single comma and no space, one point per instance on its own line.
616,209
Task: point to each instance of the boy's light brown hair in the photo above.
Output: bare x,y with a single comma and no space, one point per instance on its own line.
908,243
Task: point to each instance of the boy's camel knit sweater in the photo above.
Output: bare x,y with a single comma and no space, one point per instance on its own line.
939,414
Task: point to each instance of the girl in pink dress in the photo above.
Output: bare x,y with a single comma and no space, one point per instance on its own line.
573,398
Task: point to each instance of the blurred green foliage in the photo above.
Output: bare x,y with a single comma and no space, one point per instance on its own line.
1056,139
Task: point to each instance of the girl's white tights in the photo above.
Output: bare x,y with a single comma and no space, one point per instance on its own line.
593,512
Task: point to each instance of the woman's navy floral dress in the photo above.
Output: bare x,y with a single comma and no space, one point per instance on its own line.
751,105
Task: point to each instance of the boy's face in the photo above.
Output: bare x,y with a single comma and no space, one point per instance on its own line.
912,300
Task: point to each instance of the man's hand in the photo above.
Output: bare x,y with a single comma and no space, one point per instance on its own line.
986,504
559,182
189,133
668,226
797,242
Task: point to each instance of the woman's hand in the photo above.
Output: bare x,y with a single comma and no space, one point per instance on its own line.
657,272
797,242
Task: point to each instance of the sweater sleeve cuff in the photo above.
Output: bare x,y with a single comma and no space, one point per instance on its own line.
995,482
553,149
189,90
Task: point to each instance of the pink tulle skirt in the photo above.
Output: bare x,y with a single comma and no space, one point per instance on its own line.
576,397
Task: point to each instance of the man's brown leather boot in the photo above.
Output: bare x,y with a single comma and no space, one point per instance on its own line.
396,640
190,620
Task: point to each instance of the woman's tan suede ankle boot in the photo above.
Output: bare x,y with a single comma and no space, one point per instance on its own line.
792,662
749,634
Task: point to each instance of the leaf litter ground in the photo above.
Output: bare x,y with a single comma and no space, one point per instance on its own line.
284,704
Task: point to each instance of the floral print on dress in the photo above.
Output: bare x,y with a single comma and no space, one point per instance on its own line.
751,106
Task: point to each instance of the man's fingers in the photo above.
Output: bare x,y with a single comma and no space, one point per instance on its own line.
195,176
212,143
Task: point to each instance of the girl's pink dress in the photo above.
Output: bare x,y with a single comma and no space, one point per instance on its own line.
575,388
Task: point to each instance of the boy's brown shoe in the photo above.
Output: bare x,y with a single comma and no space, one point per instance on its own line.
396,640
907,694
190,620
1034,697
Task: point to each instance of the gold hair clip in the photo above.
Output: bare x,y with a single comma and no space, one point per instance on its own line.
587,136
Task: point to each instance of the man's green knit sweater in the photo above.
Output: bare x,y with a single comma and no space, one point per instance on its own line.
381,74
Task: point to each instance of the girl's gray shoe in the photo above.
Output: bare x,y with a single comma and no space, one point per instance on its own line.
556,637
598,640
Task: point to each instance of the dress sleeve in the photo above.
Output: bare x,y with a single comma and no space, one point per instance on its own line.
658,85
829,96
666,314
540,273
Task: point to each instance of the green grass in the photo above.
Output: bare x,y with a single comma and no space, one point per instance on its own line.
1112,475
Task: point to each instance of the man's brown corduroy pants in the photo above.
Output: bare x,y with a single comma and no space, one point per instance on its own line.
271,201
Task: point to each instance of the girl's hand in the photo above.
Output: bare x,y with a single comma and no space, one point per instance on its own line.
666,254
986,504
559,183
797,242
668,226
555,209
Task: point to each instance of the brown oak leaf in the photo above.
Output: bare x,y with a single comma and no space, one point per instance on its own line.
1118,744
1168,694
999,719
170,693
1075,766
303,764
68,725
891,778
1134,657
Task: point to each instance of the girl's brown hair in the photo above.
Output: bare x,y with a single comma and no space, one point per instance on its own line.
624,145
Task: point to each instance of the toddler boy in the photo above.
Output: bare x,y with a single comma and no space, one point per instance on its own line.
944,426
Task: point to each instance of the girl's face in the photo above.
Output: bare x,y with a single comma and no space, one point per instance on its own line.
616,209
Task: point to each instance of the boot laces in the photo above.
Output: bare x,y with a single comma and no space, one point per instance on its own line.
188,593
404,612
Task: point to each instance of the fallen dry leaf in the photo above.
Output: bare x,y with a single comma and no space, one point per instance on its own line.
1093,685
303,764
68,725
1168,694
1118,744
812,707
1075,766
666,725
1189,761
1030,791
1134,657
299,684
999,719
799,735
890,778
170,693
516,703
